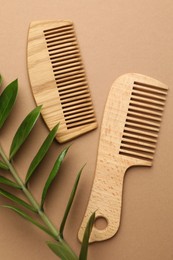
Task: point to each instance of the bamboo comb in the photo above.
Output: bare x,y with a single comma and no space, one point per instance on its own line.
58,79
129,132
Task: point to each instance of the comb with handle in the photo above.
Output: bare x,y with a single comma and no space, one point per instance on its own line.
58,78
128,137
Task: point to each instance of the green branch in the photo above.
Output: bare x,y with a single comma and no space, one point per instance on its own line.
60,247
34,203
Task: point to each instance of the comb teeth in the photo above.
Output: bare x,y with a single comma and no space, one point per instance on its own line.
143,121
69,76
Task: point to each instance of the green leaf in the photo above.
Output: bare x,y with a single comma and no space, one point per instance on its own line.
8,182
3,165
24,130
41,153
70,201
7,100
0,80
16,199
85,242
60,249
53,174
30,219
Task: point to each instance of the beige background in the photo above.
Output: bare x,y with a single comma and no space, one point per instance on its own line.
116,37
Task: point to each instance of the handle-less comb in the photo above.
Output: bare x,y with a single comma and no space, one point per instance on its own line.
58,78
128,137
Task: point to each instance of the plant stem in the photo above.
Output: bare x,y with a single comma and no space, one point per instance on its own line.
35,204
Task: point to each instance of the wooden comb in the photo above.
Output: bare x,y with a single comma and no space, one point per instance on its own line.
128,137
58,79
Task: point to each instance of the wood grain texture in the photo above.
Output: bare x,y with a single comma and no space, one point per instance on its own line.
128,137
58,79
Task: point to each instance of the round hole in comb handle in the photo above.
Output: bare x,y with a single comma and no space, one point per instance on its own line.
128,138
100,223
